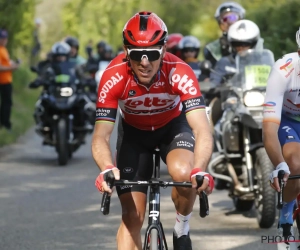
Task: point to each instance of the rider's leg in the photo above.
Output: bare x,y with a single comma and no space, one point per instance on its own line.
292,157
180,164
291,154
289,139
134,160
133,213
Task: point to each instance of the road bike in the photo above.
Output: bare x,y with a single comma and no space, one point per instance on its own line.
155,237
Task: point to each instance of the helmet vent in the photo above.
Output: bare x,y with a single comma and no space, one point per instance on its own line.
143,22
130,35
155,35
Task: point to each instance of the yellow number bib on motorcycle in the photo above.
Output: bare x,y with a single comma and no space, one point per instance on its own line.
62,78
257,75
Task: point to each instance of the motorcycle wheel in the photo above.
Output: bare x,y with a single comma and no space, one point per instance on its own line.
265,197
62,142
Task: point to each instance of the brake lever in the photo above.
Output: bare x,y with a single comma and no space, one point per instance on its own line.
105,204
203,199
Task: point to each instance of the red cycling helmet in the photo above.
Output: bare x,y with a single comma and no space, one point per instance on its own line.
145,29
173,40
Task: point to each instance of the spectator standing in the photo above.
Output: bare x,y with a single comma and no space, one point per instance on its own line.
6,68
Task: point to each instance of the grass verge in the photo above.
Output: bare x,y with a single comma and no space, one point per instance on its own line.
23,106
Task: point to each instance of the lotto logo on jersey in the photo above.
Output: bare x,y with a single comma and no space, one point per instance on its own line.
184,83
148,102
108,86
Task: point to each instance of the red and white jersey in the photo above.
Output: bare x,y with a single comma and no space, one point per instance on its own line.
148,108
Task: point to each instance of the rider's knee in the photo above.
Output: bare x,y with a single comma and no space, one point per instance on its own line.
182,173
133,219
293,161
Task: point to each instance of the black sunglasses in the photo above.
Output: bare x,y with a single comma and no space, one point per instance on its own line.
150,54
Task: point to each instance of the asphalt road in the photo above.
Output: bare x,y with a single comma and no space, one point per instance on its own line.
47,207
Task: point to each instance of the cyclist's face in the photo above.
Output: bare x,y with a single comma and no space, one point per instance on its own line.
145,61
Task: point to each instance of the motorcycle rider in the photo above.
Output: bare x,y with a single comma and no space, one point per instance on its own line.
242,35
60,52
281,131
107,53
172,43
74,56
226,15
189,47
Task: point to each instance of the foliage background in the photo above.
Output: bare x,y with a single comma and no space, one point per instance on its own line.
104,20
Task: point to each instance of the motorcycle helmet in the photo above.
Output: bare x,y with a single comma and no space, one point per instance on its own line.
60,49
189,43
243,33
101,44
229,7
72,41
145,29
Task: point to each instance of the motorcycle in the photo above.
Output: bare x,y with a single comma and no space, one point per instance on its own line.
64,114
240,162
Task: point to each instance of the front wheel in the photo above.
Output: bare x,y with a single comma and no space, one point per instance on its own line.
265,197
62,145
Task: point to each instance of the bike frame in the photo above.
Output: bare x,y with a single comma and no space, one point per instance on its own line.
154,208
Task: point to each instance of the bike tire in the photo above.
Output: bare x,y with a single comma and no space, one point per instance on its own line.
154,241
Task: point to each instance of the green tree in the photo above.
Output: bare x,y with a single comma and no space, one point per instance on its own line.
17,17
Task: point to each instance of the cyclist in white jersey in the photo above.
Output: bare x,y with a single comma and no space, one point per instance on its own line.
281,129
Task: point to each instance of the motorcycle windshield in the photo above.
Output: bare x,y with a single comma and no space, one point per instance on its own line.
64,85
253,69
65,75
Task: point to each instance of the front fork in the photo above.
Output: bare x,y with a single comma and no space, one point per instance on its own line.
154,220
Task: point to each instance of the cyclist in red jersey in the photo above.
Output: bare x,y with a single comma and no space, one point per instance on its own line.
160,105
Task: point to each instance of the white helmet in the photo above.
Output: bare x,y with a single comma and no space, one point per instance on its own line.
60,48
243,31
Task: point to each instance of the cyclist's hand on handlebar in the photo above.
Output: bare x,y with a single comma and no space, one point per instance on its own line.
274,175
208,181
101,181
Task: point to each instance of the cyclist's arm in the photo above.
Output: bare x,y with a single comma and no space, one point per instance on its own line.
271,142
203,139
194,107
100,144
272,115
106,112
